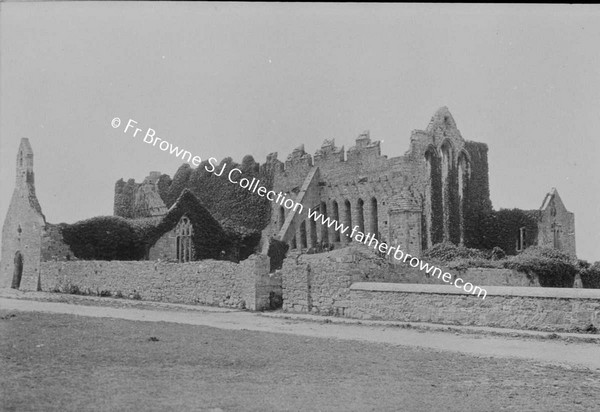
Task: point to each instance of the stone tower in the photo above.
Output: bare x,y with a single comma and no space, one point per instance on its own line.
22,230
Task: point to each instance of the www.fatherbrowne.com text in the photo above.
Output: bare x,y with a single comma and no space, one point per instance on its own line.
254,186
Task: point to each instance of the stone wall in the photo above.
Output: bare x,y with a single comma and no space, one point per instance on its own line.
211,282
320,283
165,247
53,246
550,309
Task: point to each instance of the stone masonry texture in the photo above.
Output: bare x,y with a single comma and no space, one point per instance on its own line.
220,283
551,313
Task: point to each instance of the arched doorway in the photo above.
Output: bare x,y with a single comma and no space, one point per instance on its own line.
18,273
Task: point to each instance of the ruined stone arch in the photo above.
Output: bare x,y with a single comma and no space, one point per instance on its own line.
303,237
348,218
360,215
374,221
336,217
293,244
323,230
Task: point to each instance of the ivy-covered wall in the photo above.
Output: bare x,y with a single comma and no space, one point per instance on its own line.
502,229
229,203
117,238
477,204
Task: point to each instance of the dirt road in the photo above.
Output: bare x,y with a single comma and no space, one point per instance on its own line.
555,352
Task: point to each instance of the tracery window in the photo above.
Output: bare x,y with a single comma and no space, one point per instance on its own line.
183,232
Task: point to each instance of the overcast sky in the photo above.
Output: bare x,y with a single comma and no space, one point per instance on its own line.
236,79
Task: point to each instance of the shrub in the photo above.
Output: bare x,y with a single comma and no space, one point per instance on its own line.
103,238
497,253
590,276
553,267
464,264
448,252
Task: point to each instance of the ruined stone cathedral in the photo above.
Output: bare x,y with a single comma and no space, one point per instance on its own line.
416,200
437,191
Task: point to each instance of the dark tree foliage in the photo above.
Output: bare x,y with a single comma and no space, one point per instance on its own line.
117,238
103,238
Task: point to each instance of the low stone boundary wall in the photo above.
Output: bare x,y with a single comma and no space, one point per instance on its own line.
320,283
211,282
550,309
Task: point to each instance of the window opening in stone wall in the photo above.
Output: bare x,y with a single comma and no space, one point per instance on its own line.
374,218
303,243
293,242
336,217
312,235
348,219
556,235
323,228
360,215
184,232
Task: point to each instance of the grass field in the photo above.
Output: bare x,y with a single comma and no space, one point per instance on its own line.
65,362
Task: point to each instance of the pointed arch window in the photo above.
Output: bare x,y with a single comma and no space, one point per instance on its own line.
556,234
183,232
